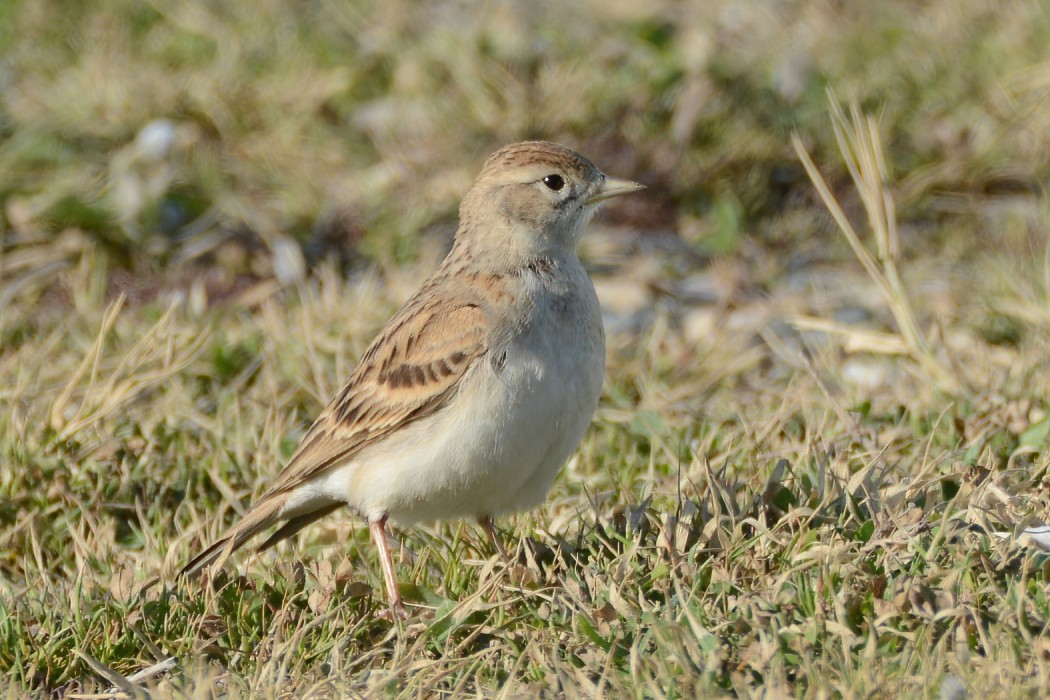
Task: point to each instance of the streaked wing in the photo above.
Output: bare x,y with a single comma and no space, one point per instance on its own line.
410,371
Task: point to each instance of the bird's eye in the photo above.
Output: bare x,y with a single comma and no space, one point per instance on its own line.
554,182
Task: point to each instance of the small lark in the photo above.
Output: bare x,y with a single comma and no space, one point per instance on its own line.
480,387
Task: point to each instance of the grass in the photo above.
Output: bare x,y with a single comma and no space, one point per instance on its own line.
810,478
726,527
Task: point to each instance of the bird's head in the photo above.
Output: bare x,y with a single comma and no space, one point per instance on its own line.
534,198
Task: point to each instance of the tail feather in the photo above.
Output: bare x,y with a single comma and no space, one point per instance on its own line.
298,523
261,516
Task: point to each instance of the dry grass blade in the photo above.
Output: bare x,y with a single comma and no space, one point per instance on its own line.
859,142
122,683
58,408
157,355
855,339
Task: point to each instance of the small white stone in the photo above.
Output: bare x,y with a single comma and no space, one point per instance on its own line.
288,263
155,140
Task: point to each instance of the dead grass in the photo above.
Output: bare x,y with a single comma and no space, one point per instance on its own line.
810,473
781,529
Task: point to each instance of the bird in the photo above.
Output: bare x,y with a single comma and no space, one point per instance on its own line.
478,390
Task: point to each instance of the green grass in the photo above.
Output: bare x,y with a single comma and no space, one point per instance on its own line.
809,481
823,544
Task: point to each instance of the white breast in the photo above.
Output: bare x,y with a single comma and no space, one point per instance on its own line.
513,423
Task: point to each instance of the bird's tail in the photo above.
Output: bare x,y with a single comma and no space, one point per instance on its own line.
263,514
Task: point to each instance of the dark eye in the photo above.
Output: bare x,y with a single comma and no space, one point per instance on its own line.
554,182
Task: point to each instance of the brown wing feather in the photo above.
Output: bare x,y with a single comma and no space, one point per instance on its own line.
411,370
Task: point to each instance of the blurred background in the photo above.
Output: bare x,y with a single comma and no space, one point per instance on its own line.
148,144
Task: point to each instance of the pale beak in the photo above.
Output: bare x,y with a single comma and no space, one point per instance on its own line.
614,187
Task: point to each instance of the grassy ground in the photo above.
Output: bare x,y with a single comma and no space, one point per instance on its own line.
815,456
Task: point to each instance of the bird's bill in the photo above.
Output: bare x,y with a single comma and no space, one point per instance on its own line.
614,187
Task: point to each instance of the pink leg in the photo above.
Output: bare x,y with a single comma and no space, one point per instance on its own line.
378,530
485,521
